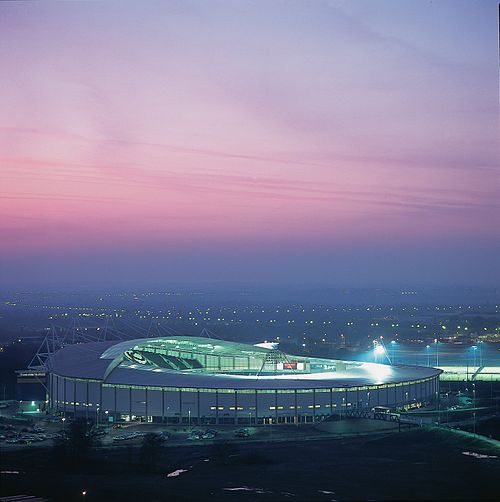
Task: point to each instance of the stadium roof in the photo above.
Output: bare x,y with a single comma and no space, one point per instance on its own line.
106,361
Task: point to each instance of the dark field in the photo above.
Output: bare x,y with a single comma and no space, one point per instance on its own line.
415,465
489,428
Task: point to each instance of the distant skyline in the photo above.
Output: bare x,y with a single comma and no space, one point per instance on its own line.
336,143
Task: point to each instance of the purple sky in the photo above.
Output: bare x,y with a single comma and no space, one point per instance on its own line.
327,142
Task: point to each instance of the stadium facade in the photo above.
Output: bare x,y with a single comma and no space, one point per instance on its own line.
196,380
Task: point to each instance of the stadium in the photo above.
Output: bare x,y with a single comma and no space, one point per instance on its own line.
195,380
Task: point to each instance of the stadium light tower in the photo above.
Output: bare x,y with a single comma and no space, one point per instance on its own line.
474,349
378,349
393,351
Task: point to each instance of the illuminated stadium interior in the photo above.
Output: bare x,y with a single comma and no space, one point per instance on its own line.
199,355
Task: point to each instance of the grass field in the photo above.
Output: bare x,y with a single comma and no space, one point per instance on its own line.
415,465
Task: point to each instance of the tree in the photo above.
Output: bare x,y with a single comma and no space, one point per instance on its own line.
150,451
73,449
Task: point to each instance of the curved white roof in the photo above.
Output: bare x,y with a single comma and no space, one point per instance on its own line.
105,361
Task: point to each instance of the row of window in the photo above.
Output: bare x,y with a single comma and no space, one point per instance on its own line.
232,408
252,408
76,403
220,408
266,391
259,391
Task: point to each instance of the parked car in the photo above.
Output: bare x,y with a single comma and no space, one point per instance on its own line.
242,433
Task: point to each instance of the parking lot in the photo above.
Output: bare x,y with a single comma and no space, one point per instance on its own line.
43,433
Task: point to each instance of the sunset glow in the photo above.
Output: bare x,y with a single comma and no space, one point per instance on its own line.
205,141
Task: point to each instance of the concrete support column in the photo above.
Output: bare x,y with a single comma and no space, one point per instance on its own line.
130,402
64,395
162,405
276,405
180,406
51,387
235,406
314,405
296,409
198,405
216,407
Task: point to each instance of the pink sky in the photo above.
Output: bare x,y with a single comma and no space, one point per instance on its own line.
171,128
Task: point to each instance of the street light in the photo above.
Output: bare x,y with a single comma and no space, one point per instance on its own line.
474,349
368,399
97,417
189,419
428,347
437,351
